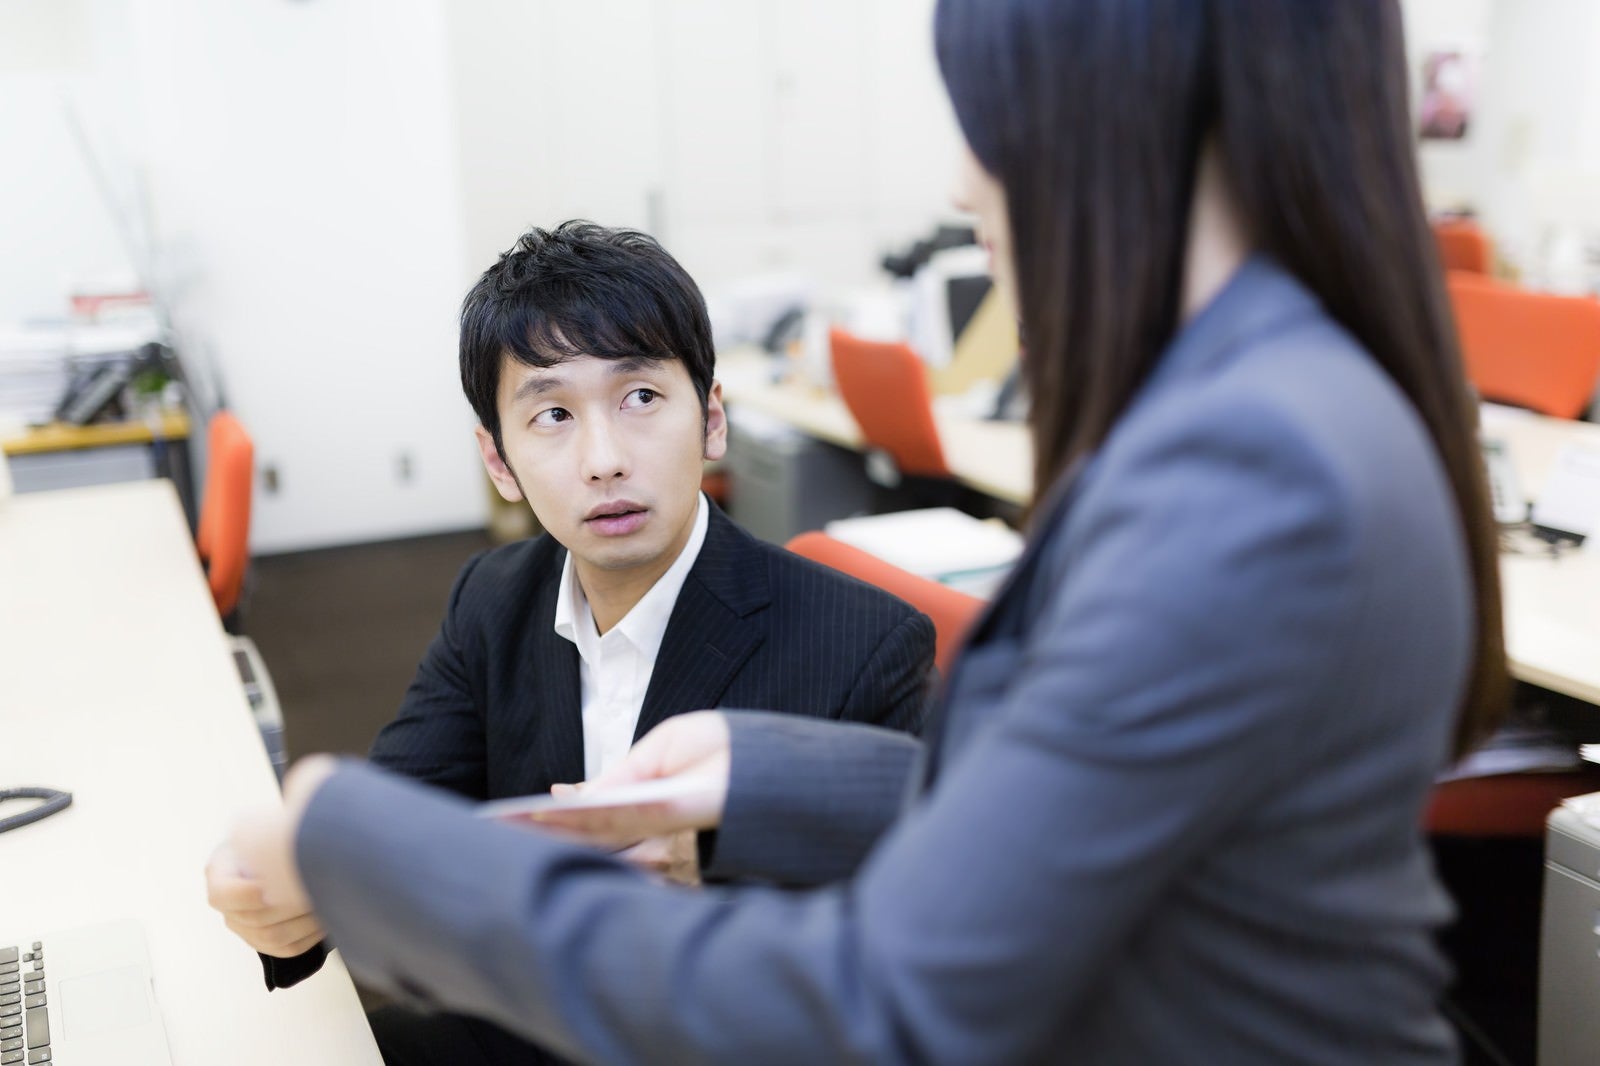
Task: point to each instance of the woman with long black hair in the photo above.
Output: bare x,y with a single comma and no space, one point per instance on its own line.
1170,811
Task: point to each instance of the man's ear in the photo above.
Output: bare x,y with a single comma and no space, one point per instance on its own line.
716,424
499,473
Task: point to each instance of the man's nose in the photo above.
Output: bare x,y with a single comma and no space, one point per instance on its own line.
603,455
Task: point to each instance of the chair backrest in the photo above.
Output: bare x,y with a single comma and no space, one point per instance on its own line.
885,386
1463,246
1503,805
952,612
1531,349
223,536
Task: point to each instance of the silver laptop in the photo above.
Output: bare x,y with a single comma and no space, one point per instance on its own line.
80,997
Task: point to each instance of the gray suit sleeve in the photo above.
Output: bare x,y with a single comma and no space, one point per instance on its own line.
1144,718
807,798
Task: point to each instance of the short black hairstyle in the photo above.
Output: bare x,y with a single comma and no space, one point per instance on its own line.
581,289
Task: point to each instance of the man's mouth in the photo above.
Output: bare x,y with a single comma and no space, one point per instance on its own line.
616,518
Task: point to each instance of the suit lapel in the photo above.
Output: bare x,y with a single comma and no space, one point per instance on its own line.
714,627
552,749
1011,599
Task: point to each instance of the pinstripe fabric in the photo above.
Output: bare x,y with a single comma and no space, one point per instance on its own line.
495,709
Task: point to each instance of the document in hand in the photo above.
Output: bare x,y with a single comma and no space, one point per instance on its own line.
635,795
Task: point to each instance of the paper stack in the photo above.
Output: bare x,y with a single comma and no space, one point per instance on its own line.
940,543
36,361
1518,748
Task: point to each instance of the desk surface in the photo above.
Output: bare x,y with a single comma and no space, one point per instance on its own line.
119,687
62,436
1552,606
996,458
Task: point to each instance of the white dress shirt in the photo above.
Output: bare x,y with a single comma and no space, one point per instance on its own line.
614,670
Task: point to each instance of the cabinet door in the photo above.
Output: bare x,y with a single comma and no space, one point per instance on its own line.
1569,970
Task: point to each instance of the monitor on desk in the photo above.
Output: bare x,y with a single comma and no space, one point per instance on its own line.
946,294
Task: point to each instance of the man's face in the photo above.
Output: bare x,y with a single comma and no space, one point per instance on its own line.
608,453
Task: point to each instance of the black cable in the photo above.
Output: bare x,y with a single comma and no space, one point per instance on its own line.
54,800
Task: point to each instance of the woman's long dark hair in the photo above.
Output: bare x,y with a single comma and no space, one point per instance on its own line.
1092,115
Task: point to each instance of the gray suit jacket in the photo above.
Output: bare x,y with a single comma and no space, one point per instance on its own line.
1171,815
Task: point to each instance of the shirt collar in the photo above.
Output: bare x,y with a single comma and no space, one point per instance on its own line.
646,624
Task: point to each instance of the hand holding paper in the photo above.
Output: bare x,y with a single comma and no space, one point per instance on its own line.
674,779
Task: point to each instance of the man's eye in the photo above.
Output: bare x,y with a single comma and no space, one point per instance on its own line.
551,416
641,397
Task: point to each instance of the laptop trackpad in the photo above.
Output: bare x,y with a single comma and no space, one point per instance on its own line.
104,1002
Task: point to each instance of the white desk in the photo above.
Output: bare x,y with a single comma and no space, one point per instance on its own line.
1552,605
116,684
995,458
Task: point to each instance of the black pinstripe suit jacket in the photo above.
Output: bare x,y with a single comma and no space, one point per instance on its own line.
495,708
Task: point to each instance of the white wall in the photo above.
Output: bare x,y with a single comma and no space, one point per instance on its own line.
749,135
1530,165
56,231
557,109
327,177
1450,169
804,137
299,159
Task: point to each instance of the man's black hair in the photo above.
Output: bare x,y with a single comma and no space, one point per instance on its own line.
580,289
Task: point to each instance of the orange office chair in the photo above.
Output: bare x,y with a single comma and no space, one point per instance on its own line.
952,612
885,386
1525,348
223,536
1504,805
1464,246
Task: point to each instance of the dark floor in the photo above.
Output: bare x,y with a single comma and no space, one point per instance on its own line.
1493,945
342,629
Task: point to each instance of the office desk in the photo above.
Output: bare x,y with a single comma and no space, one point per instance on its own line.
170,428
62,437
1552,604
117,685
995,458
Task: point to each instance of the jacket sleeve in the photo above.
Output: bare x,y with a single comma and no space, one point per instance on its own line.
286,973
807,798
806,804
1143,721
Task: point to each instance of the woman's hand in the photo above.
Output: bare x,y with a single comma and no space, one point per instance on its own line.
688,746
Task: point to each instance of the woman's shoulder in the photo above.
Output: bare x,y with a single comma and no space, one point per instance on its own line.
1302,400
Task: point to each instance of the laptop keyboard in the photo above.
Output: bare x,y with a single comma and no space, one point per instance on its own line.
24,1011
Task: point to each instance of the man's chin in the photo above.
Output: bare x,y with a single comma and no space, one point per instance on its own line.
621,553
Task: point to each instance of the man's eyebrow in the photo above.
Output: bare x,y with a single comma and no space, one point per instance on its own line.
632,365
537,386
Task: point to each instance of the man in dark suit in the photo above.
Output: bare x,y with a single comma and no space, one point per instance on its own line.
586,354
